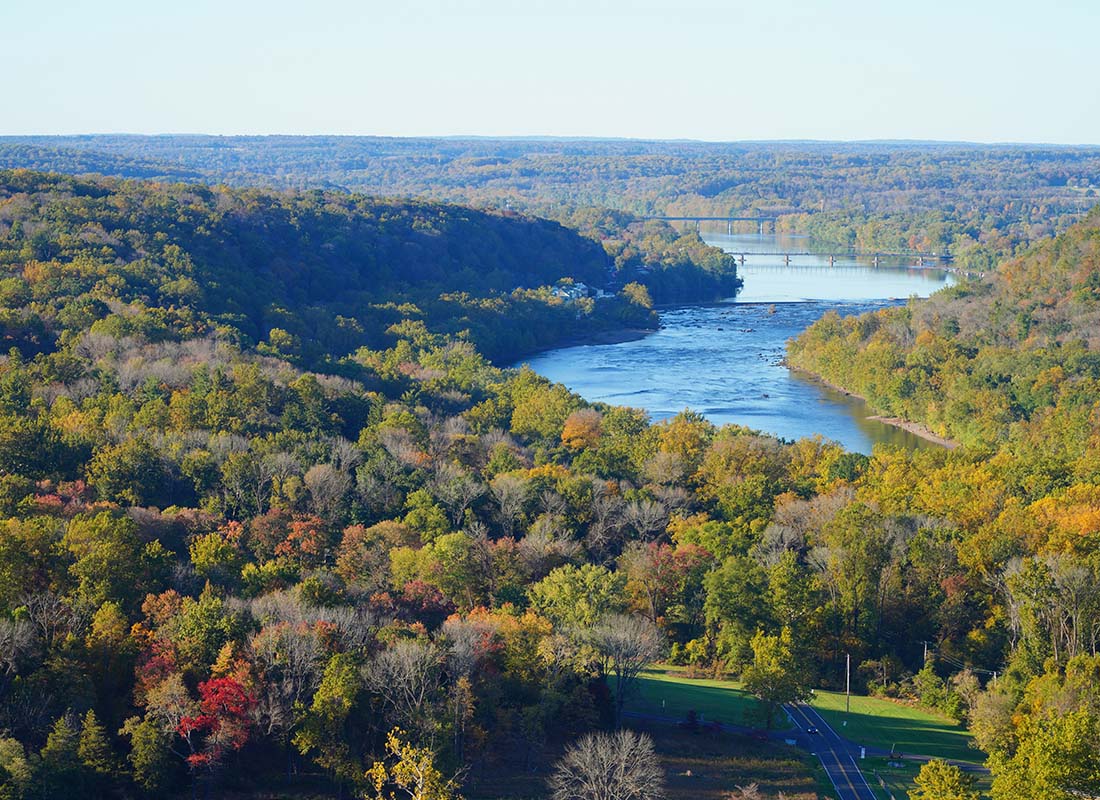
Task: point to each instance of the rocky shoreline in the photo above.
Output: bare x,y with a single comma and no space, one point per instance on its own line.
915,428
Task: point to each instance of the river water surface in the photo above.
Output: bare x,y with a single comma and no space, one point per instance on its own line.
725,360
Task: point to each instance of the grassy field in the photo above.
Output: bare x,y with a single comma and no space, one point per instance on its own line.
710,766
666,691
888,725
699,766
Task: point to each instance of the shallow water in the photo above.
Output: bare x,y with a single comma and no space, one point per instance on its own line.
725,360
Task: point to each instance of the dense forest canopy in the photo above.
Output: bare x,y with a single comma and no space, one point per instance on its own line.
1009,360
1009,366
269,516
981,201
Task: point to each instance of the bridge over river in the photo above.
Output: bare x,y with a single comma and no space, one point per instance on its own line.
762,219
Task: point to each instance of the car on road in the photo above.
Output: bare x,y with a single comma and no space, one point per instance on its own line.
812,730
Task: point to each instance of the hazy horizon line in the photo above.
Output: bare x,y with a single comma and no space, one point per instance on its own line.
552,138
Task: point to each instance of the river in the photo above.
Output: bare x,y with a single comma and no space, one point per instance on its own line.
725,360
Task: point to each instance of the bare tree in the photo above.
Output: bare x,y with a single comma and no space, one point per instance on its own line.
467,641
607,518
672,497
795,523
291,659
406,677
664,468
16,643
282,465
750,792
377,484
647,517
615,766
544,548
327,486
626,644
457,489
52,616
355,626
400,444
344,455
510,493
553,504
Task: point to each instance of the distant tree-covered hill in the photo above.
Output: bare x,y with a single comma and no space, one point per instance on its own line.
309,274
981,201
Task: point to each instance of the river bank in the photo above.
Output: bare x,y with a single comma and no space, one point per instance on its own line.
915,428
726,360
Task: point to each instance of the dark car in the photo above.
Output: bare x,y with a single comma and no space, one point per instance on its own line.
812,730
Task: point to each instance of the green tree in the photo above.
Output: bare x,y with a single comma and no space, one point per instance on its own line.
540,408
215,557
324,734
94,749
425,516
735,606
60,774
578,596
109,556
150,754
774,677
938,780
1057,758
16,772
132,472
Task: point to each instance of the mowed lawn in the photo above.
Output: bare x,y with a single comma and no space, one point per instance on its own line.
887,725
702,766
666,691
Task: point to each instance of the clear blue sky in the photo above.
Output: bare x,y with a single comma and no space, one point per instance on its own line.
851,69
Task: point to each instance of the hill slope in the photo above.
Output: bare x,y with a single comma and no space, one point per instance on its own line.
985,362
329,270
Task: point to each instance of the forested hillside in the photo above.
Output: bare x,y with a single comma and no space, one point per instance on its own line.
311,275
1009,366
232,562
1011,360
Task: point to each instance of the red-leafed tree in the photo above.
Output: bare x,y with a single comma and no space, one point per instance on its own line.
222,724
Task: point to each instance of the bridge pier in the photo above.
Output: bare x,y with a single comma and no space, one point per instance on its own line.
832,261
729,227
742,259
760,227
787,260
875,260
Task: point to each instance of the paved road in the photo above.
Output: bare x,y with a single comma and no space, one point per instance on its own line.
835,753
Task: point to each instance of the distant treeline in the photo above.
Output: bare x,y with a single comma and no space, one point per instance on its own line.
981,201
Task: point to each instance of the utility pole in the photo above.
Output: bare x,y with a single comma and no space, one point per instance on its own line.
848,683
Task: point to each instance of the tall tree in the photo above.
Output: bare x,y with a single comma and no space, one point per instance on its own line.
775,676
